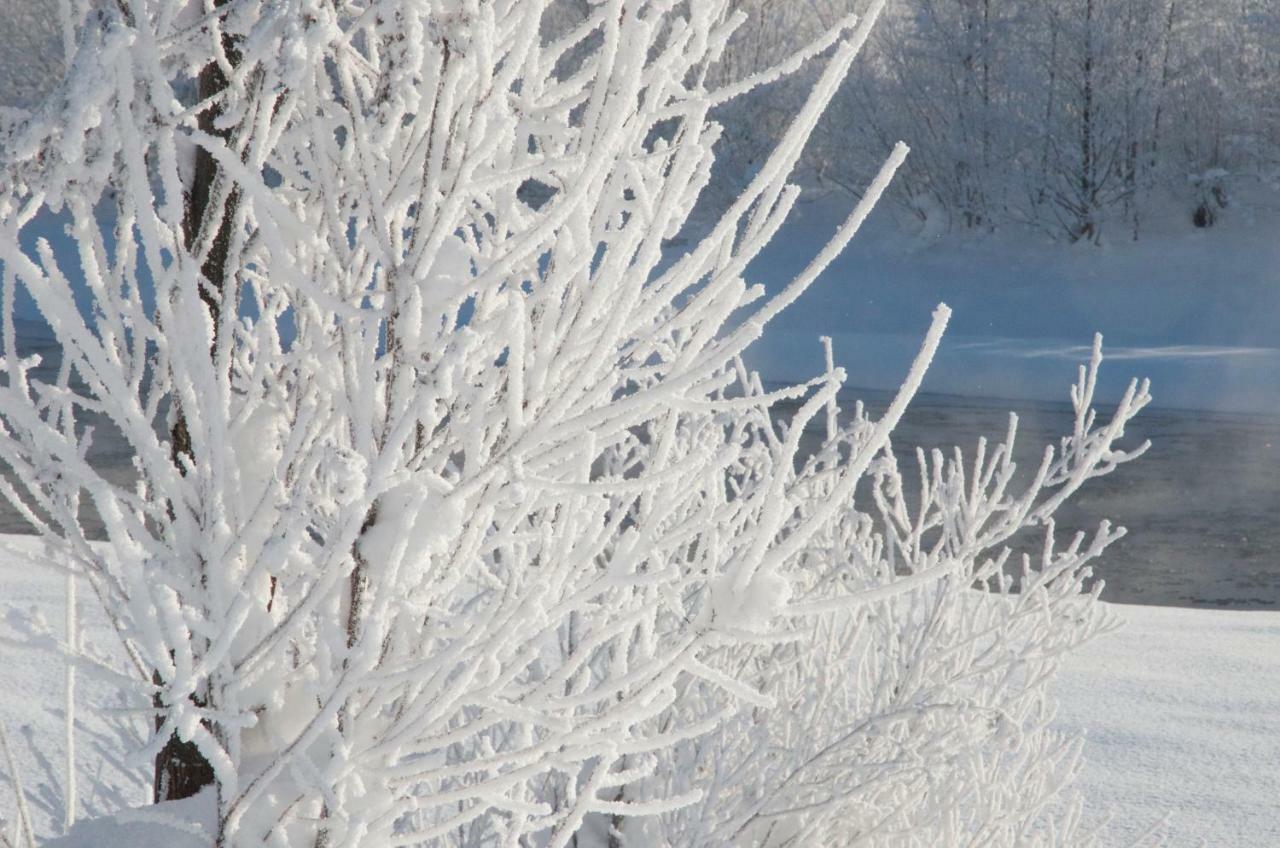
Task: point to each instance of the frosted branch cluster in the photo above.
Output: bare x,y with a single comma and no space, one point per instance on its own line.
480,532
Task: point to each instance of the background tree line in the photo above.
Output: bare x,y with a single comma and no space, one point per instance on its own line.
1078,117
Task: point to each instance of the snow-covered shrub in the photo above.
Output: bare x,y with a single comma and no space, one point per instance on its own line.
921,720
457,518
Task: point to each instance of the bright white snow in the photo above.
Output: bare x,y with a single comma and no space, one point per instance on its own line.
1182,713
31,699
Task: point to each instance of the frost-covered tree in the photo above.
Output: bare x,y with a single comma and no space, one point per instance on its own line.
31,52
456,518
1077,117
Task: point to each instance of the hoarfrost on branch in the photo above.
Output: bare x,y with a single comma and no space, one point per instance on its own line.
457,517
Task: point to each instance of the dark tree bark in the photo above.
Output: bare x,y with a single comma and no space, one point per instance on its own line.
181,770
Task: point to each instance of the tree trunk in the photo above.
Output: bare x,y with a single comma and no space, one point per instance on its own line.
1087,227
181,770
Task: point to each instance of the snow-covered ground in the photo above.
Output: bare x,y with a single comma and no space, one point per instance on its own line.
1182,714
1180,709
32,698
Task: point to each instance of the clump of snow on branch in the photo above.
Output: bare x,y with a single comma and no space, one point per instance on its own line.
480,532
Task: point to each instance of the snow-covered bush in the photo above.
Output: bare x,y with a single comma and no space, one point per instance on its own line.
457,518
921,720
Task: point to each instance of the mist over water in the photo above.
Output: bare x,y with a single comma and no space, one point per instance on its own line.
1199,506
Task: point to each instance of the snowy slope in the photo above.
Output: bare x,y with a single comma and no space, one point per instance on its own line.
1181,710
1182,714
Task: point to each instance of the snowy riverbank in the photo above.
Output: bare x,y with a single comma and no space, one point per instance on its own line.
1196,311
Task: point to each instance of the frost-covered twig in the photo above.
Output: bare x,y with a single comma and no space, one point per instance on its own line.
25,832
69,704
